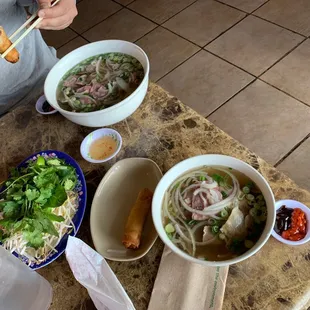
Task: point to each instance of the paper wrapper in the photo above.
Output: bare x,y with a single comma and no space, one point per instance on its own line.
181,285
93,272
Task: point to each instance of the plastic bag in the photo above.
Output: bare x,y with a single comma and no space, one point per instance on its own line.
92,271
21,288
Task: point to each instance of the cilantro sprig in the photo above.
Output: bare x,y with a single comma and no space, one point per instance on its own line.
29,197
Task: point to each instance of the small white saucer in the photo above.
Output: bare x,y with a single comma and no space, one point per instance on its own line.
95,135
39,106
293,204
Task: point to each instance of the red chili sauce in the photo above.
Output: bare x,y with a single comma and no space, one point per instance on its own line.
291,224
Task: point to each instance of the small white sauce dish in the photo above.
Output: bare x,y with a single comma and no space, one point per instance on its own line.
98,134
293,204
39,106
112,203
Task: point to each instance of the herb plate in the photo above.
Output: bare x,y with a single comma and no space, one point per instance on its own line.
80,188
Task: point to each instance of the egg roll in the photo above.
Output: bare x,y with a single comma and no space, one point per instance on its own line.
5,43
136,219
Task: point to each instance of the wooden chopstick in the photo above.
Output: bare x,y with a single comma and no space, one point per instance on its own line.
35,15
28,21
21,37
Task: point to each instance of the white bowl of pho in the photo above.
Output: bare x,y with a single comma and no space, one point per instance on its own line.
214,210
99,84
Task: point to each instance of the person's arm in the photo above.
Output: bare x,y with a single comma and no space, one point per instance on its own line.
58,17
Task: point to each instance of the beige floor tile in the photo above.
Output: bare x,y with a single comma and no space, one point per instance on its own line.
292,74
70,46
297,165
292,14
203,21
58,38
159,10
245,5
254,44
264,119
124,25
92,12
165,51
204,82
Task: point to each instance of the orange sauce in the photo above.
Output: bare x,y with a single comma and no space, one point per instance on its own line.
102,148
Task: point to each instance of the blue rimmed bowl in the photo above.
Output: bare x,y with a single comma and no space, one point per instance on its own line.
78,217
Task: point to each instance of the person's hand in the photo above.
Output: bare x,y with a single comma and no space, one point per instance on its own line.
58,17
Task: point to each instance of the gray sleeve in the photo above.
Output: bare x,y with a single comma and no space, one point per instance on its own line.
31,4
26,2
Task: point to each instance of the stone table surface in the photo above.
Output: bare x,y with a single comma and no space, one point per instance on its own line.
166,131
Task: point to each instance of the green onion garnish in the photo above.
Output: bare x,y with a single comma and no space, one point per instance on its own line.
246,190
224,214
215,229
169,228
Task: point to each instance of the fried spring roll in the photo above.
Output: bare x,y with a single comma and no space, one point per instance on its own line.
5,43
136,219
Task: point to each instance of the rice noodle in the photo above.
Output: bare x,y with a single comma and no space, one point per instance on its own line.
204,223
192,238
185,238
176,202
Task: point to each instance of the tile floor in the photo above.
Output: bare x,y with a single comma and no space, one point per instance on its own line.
243,64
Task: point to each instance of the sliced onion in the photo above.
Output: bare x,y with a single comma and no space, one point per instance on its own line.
184,237
176,201
209,185
187,189
166,210
205,201
201,190
217,207
189,175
